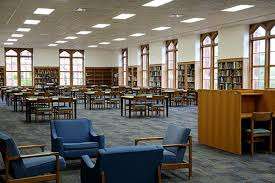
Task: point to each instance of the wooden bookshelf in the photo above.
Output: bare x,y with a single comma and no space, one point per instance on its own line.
2,76
132,76
186,75
45,76
230,74
101,76
155,75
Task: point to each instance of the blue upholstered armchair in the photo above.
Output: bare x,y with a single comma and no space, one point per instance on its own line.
175,142
29,168
74,138
135,164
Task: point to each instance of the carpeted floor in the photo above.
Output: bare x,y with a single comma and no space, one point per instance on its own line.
209,165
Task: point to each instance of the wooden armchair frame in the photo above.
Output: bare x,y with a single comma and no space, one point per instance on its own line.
174,166
39,178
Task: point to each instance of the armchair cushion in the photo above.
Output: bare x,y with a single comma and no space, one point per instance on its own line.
80,145
169,157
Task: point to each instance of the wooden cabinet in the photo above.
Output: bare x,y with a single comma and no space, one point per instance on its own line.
101,76
46,76
155,76
186,75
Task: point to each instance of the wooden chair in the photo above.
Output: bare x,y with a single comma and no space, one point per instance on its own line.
98,102
22,102
260,130
64,107
43,107
191,97
139,104
114,99
157,105
177,99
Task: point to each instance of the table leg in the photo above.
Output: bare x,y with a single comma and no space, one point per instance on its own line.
130,109
167,107
90,103
28,111
75,105
85,100
15,104
121,106
170,96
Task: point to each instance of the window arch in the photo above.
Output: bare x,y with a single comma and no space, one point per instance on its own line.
259,32
64,54
124,53
26,53
272,32
207,41
145,64
11,53
171,60
77,54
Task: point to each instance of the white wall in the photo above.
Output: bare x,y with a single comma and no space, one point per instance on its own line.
189,48
234,42
101,58
134,57
2,57
157,53
46,57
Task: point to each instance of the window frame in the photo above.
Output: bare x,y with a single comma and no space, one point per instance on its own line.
124,68
268,25
18,61
71,57
175,52
212,68
146,71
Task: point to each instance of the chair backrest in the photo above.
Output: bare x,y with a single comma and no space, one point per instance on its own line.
64,100
176,135
133,164
8,148
140,99
74,131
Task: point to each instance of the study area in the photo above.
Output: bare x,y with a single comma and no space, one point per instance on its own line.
146,91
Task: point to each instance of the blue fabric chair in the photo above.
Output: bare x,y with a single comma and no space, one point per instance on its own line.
24,168
175,142
135,164
74,138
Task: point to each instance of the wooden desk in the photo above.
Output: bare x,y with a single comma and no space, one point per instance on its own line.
89,94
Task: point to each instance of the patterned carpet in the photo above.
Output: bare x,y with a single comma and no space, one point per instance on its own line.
209,165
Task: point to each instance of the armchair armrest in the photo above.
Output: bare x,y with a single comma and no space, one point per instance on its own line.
40,155
41,146
147,139
98,138
86,160
176,145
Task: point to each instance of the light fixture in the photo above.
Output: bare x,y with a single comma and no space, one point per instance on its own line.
71,37
161,28
92,46
100,26
32,22
238,8
43,11
176,15
17,35
52,45
157,3
12,40
137,34
104,43
124,16
80,10
8,43
23,29
192,20
119,39
60,42
84,32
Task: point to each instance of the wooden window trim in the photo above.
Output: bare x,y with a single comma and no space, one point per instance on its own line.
175,50
147,63
124,70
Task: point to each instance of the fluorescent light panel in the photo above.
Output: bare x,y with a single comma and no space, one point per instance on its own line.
192,20
23,29
119,39
17,35
92,46
84,32
71,37
12,40
8,43
51,45
124,16
43,11
238,8
161,28
32,22
101,26
105,43
137,34
157,3
61,42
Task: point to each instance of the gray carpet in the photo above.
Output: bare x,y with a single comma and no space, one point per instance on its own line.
209,165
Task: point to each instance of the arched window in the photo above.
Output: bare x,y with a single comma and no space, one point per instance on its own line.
124,53
26,53
171,59
145,64
272,59
11,53
77,54
272,32
209,49
78,65
26,68
259,32
64,54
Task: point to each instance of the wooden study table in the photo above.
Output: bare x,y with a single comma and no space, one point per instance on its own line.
32,100
171,92
129,98
88,96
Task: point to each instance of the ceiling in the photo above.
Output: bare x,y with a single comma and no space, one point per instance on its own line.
64,21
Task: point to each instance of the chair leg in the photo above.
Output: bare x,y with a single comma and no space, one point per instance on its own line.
270,144
252,147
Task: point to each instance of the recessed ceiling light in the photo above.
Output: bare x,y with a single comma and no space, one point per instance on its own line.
238,8
43,11
157,3
70,37
124,16
92,46
52,45
32,22
17,35
84,32
23,29
192,20
60,42
161,28
80,9
176,15
101,26
8,43
119,39
105,43
137,34
12,40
